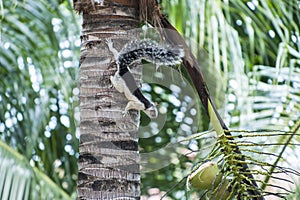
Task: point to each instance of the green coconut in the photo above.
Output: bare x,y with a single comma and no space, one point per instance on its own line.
207,176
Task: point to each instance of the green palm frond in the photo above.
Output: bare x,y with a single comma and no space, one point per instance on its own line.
19,180
254,45
31,63
264,151
38,66
273,98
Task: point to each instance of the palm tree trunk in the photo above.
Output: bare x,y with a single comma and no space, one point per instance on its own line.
108,166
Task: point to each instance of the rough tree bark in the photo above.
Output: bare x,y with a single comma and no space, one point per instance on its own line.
108,166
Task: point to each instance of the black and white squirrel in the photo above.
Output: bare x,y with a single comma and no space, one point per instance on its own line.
132,52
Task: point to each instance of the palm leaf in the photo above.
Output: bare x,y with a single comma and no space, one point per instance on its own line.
19,180
37,69
253,45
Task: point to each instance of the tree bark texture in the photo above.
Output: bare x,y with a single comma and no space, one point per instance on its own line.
108,166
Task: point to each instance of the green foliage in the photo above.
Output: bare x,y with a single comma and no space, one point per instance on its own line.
252,53
21,181
36,90
252,58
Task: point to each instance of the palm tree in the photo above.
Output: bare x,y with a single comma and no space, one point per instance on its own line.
251,50
109,159
235,165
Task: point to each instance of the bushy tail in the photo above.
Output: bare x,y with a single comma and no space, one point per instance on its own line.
150,51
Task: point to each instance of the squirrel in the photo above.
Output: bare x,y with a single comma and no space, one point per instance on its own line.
135,51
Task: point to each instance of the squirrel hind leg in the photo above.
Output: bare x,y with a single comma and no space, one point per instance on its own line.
134,105
151,112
